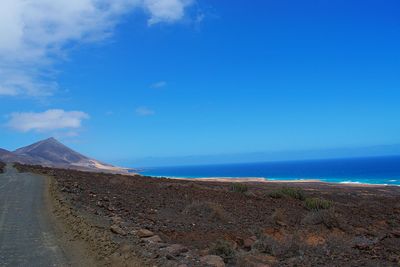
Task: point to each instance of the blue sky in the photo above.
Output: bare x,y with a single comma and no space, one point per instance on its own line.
174,78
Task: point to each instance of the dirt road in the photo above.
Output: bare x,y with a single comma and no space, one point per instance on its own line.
27,235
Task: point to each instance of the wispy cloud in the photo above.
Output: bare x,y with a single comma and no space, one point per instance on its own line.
158,85
35,34
50,120
144,111
166,10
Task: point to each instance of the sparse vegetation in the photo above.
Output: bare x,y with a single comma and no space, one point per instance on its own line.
266,244
326,217
276,194
223,249
239,188
206,210
279,217
318,204
259,230
295,193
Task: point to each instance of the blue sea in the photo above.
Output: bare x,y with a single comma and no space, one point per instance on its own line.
373,170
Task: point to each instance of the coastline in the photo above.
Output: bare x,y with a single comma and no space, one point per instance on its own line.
273,181
372,171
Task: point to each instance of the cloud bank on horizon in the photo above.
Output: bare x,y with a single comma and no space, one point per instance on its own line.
35,34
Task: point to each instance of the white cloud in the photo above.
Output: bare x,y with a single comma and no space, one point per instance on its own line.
159,84
144,111
166,10
53,119
34,34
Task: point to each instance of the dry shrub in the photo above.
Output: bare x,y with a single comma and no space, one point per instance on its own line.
197,186
295,193
325,217
206,210
278,217
318,204
276,194
239,188
266,244
336,245
225,250
289,247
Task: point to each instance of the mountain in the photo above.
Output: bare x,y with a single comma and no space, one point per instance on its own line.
52,153
7,156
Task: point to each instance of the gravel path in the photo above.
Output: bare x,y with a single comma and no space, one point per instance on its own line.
27,237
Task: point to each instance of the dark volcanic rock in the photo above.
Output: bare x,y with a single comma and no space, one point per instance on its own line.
143,233
117,229
178,211
176,249
213,260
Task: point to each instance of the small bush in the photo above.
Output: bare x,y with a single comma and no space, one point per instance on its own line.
223,249
276,194
318,204
286,248
278,217
326,217
295,193
206,210
239,188
266,244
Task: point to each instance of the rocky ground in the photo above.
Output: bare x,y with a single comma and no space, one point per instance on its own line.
2,166
143,221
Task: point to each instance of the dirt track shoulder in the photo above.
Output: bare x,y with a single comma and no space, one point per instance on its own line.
88,238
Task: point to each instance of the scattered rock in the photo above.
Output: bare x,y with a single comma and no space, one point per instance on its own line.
153,239
369,215
170,257
213,260
396,233
363,243
124,248
143,233
204,252
117,230
111,208
176,249
116,220
257,260
249,242
280,223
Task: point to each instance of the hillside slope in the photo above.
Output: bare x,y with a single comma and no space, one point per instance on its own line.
52,153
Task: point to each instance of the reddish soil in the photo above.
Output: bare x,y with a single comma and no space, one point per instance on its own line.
361,228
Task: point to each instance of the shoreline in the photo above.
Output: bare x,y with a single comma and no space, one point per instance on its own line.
266,180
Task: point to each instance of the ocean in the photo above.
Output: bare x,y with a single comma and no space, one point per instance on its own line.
372,170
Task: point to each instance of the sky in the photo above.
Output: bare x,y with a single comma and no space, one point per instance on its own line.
126,80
